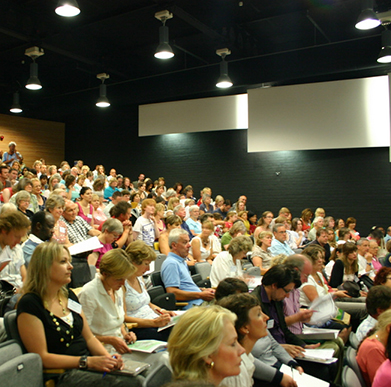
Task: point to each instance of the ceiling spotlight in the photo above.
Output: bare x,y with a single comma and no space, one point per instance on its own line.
33,82
16,108
102,100
368,18
385,53
164,50
67,8
224,80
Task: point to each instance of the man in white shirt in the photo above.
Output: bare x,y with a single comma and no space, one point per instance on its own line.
378,301
362,255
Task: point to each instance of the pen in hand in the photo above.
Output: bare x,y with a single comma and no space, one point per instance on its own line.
105,373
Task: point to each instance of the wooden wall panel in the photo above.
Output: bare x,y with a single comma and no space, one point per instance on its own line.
35,139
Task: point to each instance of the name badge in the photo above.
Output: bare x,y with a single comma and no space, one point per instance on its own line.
74,306
270,324
89,216
62,229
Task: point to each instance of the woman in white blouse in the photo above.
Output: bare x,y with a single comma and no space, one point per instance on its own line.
228,263
205,246
103,301
139,308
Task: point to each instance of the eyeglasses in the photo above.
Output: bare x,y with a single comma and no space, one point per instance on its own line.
286,291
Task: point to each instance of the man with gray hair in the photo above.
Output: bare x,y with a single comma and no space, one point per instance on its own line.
279,243
363,256
175,274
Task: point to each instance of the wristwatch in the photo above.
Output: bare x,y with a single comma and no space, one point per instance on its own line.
83,363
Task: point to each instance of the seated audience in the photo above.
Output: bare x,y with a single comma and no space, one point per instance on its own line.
51,325
206,206
36,191
98,213
318,224
70,182
237,229
346,266
250,327
22,201
145,228
103,301
13,227
372,352
322,240
139,308
122,212
279,243
205,246
55,205
306,216
85,207
383,277
193,222
115,199
228,263
377,302
172,221
175,274
203,346
351,225
109,191
261,255
112,229
42,229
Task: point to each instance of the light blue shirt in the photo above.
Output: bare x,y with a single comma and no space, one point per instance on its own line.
194,225
365,327
175,274
280,248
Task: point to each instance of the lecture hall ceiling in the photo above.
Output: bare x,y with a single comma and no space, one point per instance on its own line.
276,42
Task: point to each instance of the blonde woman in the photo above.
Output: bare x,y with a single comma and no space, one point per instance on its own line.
159,216
52,324
261,255
98,215
205,246
203,346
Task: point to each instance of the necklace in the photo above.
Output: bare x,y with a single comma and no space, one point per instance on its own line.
205,243
62,306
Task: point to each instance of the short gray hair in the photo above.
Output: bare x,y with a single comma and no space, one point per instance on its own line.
175,235
318,218
113,225
54,201
192,208
361,241
239,244
22,195
177,208
277,226
296,261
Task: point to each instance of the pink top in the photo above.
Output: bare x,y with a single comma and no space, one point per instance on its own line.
369,358
99,216
87,218
101,251
382,378
376,264
60,232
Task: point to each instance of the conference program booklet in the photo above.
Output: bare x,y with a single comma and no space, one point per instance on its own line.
148,346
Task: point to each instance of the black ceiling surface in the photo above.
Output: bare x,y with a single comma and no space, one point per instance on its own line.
272,41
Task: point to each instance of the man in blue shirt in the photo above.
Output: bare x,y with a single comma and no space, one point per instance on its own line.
279,243
175,273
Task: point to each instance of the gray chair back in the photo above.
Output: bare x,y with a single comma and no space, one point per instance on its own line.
349,378
11,328
351,354
159,260
204,269
156,279
255,270
158,376
18,369
353,340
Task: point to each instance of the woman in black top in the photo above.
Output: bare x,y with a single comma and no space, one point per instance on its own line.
52,324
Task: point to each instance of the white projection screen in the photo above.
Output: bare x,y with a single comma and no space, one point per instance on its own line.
330,115
194,115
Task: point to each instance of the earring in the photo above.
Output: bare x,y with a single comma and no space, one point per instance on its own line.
211,365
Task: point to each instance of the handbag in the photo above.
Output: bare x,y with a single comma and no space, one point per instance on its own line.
352,288
7,290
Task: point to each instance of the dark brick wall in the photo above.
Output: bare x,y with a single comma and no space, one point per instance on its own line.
346,182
